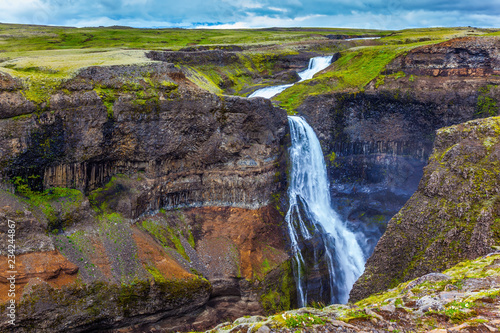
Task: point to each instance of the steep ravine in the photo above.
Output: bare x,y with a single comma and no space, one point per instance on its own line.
452,217
381,139
327,258
377,141
146,203
456,81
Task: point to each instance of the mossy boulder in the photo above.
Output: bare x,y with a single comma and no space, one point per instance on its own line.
461,299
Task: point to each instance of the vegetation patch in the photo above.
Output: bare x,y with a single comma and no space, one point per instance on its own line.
108,97
165,235
157,276
301,320
457,311
353,314
57,203
279,292
486,105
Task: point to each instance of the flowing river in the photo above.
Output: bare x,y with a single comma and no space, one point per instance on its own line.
327,257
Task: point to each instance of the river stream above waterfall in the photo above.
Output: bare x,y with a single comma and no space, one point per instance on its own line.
316,65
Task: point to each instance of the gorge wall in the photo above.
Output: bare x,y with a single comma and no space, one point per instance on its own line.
452,217
240,73
142,202
383,137
146,203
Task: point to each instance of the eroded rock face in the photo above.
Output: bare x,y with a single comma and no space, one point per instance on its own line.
465,57
464,299
453,215
233,67
194,148
110,149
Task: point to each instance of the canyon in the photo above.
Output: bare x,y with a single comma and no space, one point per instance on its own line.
149,197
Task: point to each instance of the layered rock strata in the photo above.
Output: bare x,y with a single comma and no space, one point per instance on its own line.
377,142
85,171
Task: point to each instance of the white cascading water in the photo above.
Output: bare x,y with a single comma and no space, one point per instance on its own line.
311,218
316,64
309,195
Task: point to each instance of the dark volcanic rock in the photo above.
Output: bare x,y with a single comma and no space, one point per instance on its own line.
132,140
241,71
465,57
216,57
194,147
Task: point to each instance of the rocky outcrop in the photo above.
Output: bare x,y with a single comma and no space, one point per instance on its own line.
216,57
453,216
461,299
194,148
462,57
378,141
141,201
277,62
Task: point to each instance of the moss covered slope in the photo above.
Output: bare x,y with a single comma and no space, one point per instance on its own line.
454,215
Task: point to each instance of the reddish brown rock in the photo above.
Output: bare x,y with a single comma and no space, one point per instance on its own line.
131,146
50,267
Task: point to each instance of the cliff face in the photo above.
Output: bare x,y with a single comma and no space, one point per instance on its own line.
453,216
379,140
94,161
198,148
465,57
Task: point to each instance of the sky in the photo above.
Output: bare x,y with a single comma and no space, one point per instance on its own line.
369,14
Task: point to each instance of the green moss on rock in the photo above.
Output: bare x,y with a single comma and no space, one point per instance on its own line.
58,205
453,216
78,306
280,290
165,235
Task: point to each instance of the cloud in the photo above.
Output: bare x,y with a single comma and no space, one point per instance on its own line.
381,14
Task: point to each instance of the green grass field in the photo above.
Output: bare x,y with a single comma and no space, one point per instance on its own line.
44,56
52,53
30,38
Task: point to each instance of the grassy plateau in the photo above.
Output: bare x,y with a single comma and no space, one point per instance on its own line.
44,56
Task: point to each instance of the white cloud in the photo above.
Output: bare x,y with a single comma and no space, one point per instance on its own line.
250,4
24,11
266,21
282,10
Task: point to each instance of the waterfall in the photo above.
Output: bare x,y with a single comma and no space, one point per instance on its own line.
327,258
316,64
311,217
